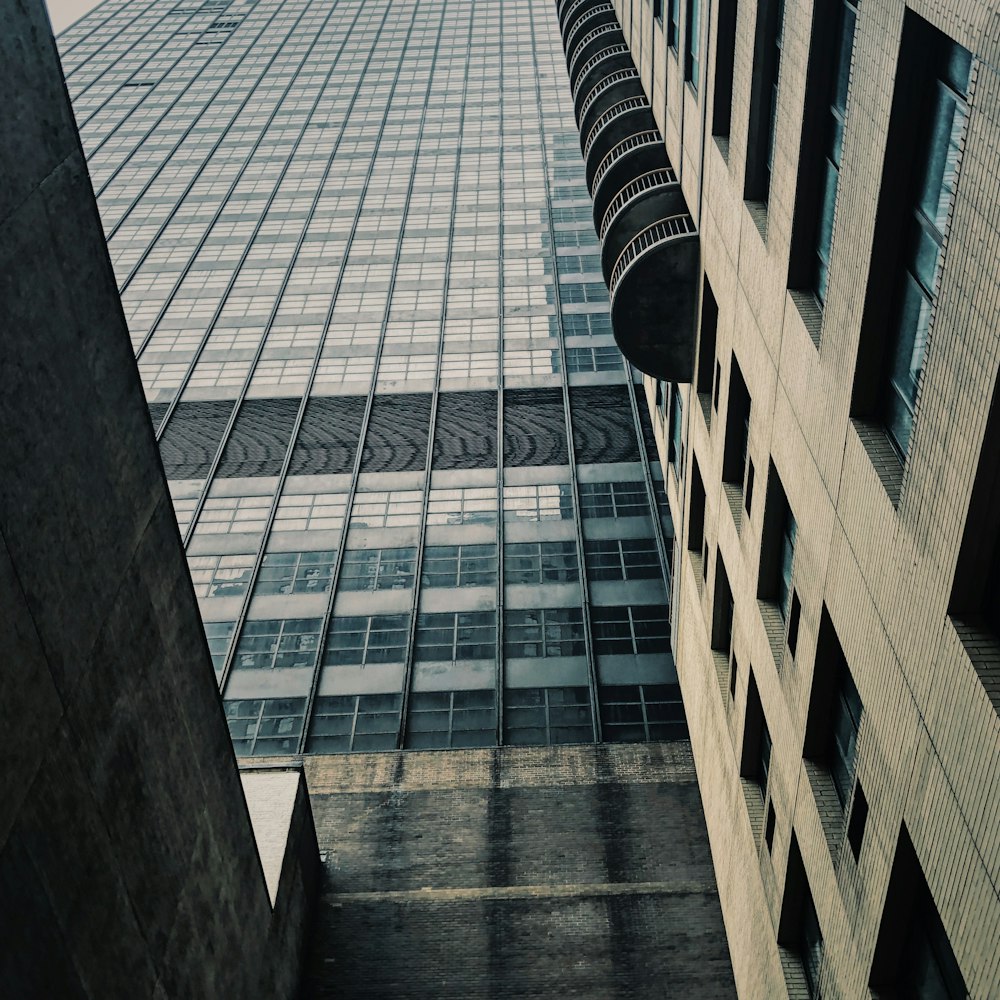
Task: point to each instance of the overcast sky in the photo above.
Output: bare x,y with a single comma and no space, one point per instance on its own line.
63,13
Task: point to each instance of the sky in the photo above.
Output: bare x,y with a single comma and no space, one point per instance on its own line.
63,13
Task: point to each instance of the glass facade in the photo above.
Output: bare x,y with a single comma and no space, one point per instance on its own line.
356,254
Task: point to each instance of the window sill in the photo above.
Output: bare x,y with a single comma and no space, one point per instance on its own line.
734,497
983,650
810,312
705,399
831,813
755,807
774,626
758,214
722,143
795,973
883,456
721,661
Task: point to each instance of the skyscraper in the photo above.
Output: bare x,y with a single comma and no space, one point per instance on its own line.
418,491
355,249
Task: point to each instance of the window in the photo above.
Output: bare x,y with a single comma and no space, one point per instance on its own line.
261,727
277,644
725,55
459,566
706,347
755,755
540,562
777,555
363,640
221,576
378,569
354,722
913,956
696,510
218,635
310,512
975,594
858,821
834,717
736,452
622,559
919,180
393,509
658,10
626,499
223,515
629,631
692,64
538,503
547,716
722,611
764,100
673,22
454,636
451,719
823,126
799,933
471,505
675,454
296,573
544,632
641,712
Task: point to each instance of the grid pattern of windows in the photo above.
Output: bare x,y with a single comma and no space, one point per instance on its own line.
545,632
637,713
459,566
630,630
622,559
357,259
540,562
614,500
378,569
547,716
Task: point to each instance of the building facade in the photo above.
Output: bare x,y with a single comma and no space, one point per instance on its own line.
416,486
827,415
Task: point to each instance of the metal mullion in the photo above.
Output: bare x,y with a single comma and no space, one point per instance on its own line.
567,416
500,529
645,716
335,576
435,395
68,73
250,92
241,620
151,55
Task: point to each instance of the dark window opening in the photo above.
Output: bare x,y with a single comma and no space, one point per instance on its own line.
919,180
798,925
725,54
913,956
777,551
823,126
735,452
692,56
696,510
706,345
764,100
794,614
769,827
858,821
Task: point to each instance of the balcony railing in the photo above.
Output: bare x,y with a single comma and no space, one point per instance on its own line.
654,235
615,111
618,49
643,183
649,137
611,80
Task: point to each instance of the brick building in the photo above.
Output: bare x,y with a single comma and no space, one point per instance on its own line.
822,375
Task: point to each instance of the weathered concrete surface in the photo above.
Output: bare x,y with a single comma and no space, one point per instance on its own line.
515,873
127,863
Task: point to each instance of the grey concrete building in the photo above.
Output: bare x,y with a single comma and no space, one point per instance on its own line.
798,204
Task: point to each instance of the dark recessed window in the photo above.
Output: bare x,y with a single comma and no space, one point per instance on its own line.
735,452
858,821
673,22
764,100
794,614
777,555
798,926
696,510
822,141
769,827
692,56
675,455
913,956
706,346
748,491
725,53
919,179
658,10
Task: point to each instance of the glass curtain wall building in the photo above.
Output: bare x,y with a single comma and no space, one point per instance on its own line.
420,501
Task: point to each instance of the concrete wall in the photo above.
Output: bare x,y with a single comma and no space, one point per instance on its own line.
127,862
579,871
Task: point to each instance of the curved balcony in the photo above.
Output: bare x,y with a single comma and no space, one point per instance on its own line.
652,196
609,60
633,156
570,11
619,122
610,90
590,45
602,13
654,294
